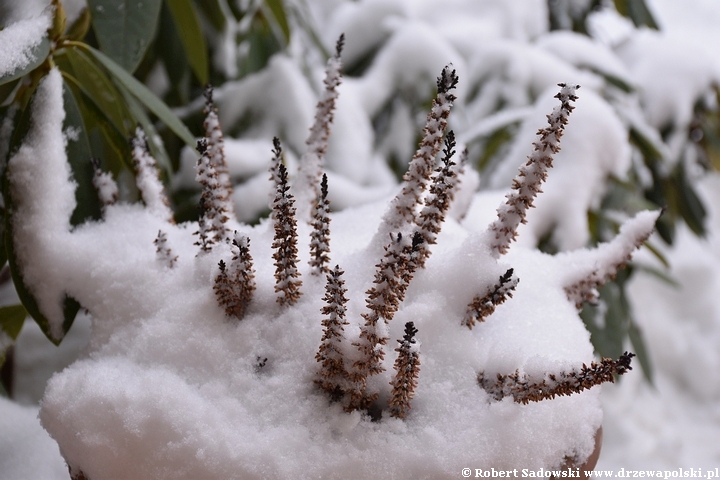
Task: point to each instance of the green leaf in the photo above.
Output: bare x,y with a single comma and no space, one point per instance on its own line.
191,37
3,253
689,204
71,307
97,86
6,89
638,344
170,49
80,26
214,13
637,11
38,54
278,11
12,318
79,154
146,97
106,141
125,28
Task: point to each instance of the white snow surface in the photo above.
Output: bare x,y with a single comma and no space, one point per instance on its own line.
170,388
18,40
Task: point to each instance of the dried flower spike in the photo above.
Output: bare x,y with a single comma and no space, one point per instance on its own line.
407,368
307,184
482,307
320,235
392,279
333,374
216,151
106,187
403,208
438,200
523,389
213,218
287,276
526,184
163,252
607,259
148,182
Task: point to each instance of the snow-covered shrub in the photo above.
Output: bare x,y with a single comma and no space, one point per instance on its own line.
178,382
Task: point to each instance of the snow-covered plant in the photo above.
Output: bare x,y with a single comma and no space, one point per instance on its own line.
168,376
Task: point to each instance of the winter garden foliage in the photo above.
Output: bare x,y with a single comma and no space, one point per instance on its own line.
366,325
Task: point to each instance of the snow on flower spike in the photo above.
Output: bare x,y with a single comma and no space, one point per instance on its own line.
524,389
307,183
438,200
407,368
333,375
151,189
287,276
216,153
403,208
105,185
214,214
482,307
526,184
320,236
234,285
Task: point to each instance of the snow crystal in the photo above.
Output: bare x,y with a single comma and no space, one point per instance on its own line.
18,41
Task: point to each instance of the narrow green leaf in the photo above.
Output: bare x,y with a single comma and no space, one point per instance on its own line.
146,97
12,318
214,13
638,344
3,253
96,85
7,88
657,253
157,149
38,54
125,28
193,41
689,204
637,11
660,275
170,49
80,26
79,154
278,10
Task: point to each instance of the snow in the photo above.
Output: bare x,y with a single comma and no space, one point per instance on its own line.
19,39
166,373
45,228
